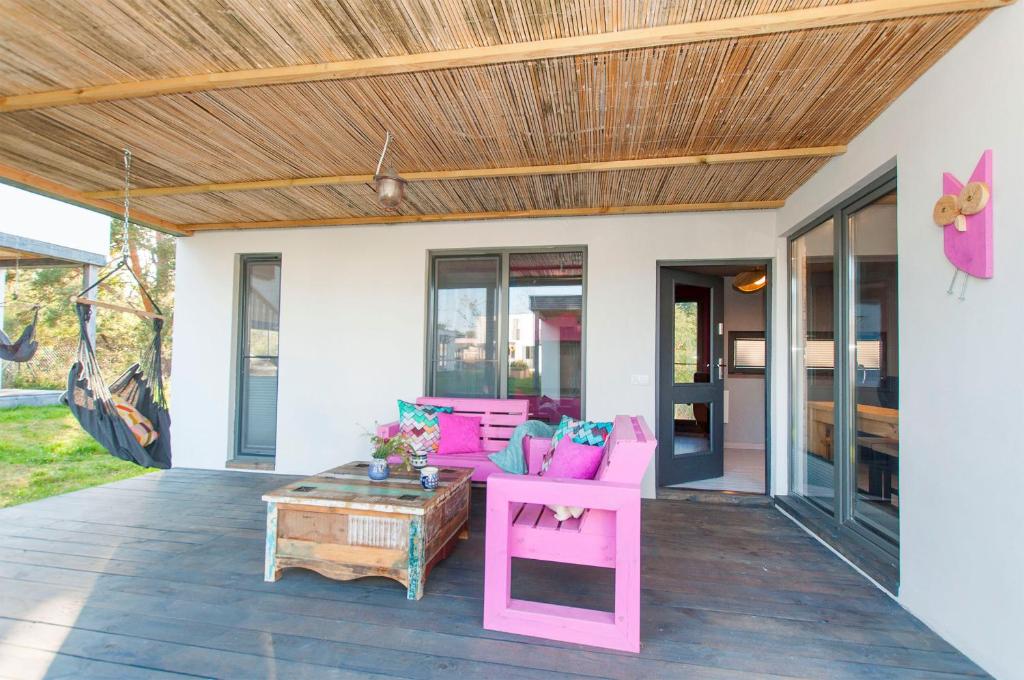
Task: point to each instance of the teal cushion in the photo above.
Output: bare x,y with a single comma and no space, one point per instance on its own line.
586,432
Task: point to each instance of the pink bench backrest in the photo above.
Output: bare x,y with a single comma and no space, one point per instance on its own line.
498,417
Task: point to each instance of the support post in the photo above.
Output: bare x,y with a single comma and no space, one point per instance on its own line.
90,273
3,293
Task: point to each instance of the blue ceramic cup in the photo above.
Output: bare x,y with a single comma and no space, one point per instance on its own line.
428,477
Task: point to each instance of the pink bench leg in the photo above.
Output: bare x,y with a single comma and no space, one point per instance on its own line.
497,560
620,630
627,575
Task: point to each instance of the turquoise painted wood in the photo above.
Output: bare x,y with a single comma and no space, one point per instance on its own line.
270,571
607,535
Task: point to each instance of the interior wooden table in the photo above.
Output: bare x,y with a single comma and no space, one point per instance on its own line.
343,525
877,421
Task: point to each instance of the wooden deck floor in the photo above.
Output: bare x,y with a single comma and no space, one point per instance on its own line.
161,576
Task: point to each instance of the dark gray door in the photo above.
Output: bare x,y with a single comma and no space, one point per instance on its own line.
691,377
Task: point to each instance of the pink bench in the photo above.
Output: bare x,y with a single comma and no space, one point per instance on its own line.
606,535
498,418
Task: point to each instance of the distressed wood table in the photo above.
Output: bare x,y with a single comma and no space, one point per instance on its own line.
344,526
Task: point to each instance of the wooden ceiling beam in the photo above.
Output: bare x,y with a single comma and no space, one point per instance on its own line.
702,31
41,185
475,173
494,215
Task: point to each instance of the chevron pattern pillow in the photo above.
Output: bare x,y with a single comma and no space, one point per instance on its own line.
586,432
418,422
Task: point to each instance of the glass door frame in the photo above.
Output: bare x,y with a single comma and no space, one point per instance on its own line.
241,357
844,310
502,330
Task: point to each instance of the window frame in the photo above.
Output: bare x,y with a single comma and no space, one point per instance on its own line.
244,261
502,324
883,563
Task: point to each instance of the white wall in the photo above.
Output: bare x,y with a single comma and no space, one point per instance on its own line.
352,320
23,213
745,429
961,388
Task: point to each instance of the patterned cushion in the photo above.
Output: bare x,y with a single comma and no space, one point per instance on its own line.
140,425
585,432
418,422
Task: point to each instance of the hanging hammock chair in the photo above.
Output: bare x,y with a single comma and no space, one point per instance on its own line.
95,405
110,413
24,348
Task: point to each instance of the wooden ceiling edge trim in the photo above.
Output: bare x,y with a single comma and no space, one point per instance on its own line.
486,215
41,185
862,11
477,173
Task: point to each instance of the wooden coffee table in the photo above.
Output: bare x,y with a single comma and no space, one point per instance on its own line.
341,524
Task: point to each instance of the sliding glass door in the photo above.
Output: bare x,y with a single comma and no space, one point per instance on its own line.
509,325
873,370
844,332
812,266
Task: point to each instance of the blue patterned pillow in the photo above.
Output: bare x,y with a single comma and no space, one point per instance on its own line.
586,432
418,422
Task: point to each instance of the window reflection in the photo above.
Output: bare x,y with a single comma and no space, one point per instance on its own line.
874,385
545,332
812,264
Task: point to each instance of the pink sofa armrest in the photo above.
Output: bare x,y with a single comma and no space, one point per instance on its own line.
586,493
387,430
535,448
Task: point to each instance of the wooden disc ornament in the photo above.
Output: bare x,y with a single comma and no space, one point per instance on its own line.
946,210
974,198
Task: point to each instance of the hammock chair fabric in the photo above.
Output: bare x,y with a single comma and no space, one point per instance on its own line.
24,348
89,399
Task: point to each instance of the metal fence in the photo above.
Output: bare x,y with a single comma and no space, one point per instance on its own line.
48,369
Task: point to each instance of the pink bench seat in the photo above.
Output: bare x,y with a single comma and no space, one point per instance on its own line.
520,525
498,419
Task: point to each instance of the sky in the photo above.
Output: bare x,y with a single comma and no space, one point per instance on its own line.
23,213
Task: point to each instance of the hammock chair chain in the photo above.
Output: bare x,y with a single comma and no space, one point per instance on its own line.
130,417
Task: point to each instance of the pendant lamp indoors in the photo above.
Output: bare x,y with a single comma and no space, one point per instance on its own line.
750,282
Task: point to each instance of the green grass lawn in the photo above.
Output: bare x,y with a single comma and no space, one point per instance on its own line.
43,452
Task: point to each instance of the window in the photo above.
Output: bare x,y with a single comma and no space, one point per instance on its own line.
746,352
509,324
844,419
259,318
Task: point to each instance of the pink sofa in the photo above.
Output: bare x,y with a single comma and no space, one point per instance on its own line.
499,417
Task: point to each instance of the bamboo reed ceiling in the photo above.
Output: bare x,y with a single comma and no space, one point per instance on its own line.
804,88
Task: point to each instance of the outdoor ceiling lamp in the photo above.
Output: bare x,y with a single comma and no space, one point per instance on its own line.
750,282
389,186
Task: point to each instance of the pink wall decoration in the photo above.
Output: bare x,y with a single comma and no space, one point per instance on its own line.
965,214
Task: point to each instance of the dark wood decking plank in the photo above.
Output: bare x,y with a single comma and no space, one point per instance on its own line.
728,591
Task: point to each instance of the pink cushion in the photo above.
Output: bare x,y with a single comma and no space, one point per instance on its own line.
459,434
573,461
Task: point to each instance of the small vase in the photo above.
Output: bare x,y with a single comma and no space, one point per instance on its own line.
378,469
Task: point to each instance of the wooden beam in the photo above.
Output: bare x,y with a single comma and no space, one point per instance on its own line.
495,215
438,175
141,313
41,185
660,36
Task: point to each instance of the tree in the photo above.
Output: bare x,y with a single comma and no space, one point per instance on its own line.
121,339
